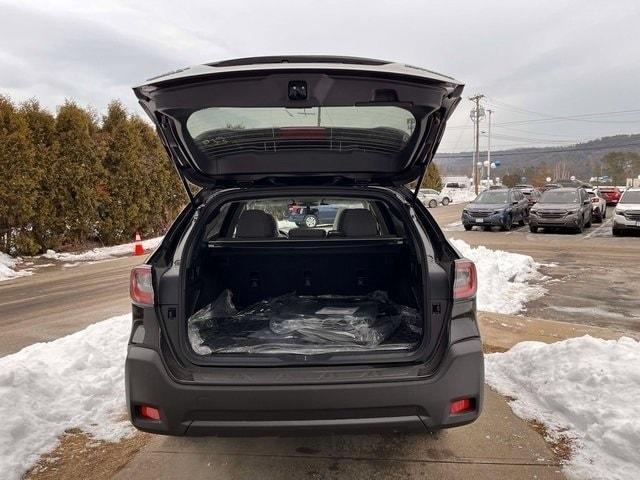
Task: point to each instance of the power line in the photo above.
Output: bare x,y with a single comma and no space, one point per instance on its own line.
578,117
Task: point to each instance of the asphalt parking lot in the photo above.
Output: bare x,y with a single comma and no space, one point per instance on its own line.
591,274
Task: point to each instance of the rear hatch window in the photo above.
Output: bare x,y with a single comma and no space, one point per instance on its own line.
224,132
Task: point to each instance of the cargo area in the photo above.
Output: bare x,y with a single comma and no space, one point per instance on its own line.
262,285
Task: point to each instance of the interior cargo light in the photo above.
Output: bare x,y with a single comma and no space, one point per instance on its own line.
463,405
148,413
466,279
141,285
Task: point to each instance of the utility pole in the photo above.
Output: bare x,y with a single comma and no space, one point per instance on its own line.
475,116
489,149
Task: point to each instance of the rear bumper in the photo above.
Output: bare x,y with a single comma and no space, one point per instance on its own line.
196,409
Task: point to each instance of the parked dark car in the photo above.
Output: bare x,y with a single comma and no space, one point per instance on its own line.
530,192
566,207
501,208
610,194
241,329
312,215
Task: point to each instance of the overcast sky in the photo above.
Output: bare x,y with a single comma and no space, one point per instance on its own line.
546,57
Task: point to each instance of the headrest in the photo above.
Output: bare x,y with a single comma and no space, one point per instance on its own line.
307,233
357,222
256,224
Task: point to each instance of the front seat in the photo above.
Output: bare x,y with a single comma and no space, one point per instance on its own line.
357,222
256,224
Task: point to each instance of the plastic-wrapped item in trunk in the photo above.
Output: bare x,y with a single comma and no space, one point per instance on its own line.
305,324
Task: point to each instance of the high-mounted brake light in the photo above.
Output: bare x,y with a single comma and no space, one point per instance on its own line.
141,285
466,279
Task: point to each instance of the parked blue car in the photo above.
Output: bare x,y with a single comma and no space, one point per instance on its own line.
501,208
312,215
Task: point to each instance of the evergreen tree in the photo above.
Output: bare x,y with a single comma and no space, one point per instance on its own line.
78,166
20,180
432,179
42,128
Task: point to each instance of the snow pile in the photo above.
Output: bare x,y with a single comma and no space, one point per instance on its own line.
459,195
102,253
582,388
74,382
503,278
8,265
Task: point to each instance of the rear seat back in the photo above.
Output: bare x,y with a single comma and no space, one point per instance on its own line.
357,222
256,224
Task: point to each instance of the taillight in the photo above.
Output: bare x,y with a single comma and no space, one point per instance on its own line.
594,200
464,405
148,413
141,285
466,279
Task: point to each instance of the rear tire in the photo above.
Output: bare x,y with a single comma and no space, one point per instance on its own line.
487,228
533,229
310,221
433,203
598,218
616,232
445,201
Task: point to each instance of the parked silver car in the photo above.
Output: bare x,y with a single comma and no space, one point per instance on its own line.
627,213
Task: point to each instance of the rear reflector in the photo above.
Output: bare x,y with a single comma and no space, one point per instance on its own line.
141,285
466,279
148,413
463,405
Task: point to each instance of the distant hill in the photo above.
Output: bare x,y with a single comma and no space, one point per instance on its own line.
581,160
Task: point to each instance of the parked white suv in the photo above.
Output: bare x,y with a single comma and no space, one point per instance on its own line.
432,198
627,213
598,205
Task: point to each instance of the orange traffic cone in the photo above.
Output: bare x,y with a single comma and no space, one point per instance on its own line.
138,249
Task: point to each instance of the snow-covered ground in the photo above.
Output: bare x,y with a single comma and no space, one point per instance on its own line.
101,253
74,382
8,267
459,195
582,388
503,278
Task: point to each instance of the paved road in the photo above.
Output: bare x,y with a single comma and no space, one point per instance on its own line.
57,301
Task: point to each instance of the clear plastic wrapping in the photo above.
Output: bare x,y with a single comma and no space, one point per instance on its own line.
306,325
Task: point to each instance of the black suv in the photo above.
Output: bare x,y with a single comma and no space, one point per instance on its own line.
245,323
